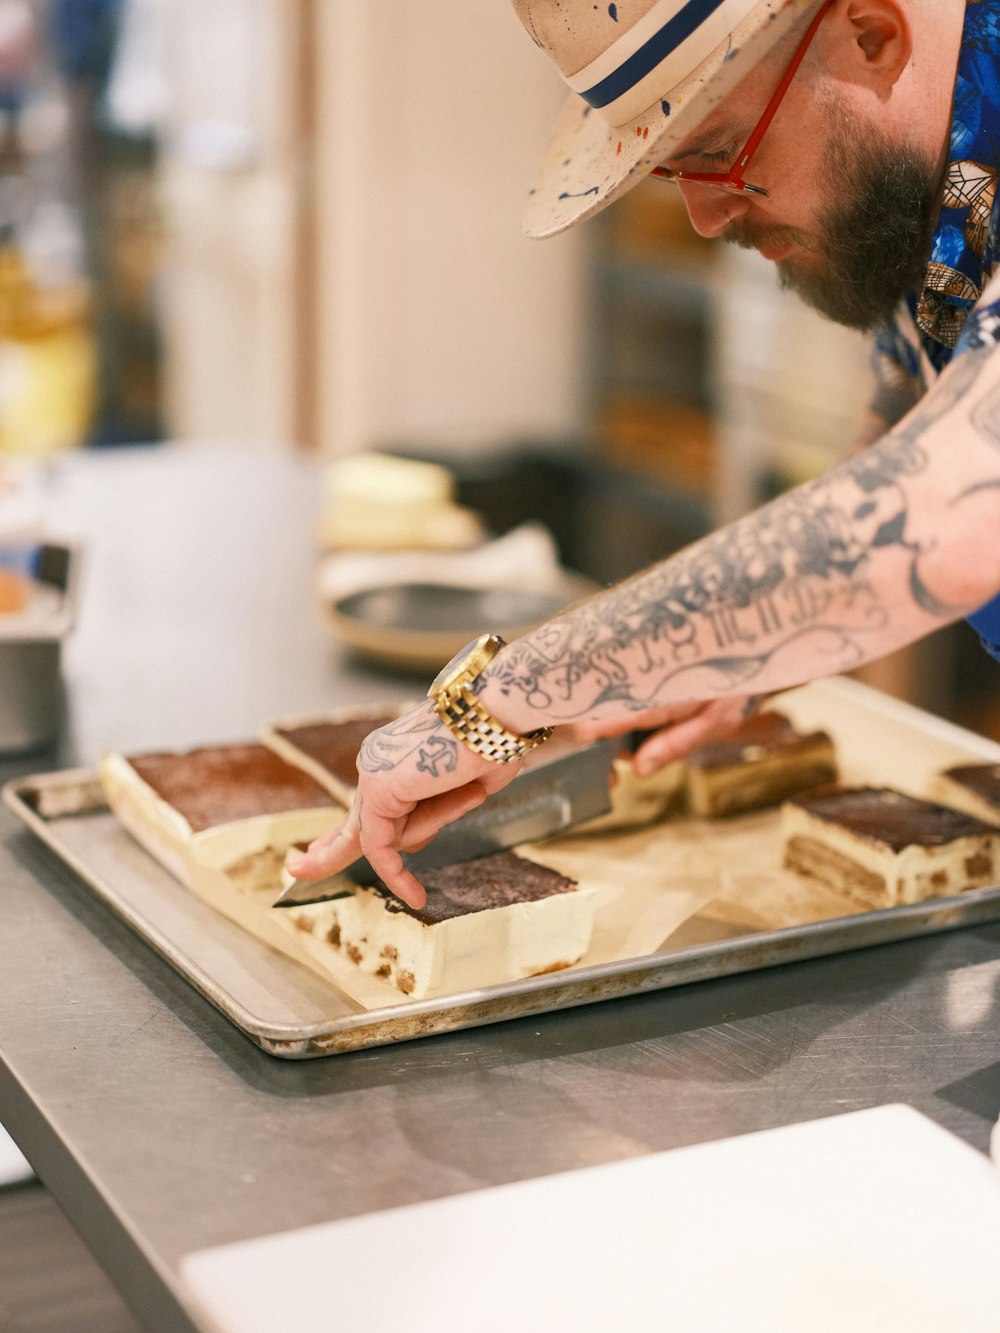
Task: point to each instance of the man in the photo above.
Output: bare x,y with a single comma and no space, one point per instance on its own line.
855,143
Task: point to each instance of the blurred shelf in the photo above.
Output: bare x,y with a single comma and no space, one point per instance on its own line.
677,289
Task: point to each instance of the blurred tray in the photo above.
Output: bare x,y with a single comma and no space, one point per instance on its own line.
420,626
291,1013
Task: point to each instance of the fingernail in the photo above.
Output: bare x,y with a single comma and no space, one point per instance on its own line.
294,862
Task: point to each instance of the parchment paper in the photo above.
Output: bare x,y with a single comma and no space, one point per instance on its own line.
682,881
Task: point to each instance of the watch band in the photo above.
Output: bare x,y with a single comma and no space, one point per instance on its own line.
471,723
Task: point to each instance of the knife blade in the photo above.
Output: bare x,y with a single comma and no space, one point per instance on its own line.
543,800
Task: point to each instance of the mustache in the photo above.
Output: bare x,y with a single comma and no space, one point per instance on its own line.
749,235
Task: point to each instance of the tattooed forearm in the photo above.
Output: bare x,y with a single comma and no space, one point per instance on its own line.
796,579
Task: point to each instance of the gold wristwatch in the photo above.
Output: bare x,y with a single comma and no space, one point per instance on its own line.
454,694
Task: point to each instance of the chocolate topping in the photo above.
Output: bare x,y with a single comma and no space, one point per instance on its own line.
982,779
476,886
759,737
220,783
891,818
335,745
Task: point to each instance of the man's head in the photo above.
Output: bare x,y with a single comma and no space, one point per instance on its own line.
847,172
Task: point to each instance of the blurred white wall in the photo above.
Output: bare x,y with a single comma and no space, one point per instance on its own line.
385,294
442,325
231,189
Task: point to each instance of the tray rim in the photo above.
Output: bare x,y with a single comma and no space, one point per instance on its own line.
409,1019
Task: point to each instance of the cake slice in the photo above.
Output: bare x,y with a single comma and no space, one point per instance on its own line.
327,747
231,807
638,800
886,849
974,788
496,919
761,764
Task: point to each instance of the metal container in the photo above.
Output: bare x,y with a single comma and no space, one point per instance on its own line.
32,694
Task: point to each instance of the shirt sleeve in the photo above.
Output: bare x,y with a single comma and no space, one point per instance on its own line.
982,328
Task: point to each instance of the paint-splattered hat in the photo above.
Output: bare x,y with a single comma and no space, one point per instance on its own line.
644,74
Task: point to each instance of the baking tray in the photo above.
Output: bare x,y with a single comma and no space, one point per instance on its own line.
291,1013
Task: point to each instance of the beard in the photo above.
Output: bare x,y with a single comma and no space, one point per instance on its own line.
872,246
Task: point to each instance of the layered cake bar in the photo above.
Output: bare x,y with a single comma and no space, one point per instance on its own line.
495,919
762,763
637,800
974,788
885,849
231,807
327,748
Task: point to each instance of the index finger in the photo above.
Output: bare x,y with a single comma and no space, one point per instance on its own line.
326,855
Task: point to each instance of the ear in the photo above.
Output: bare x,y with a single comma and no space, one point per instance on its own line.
868,42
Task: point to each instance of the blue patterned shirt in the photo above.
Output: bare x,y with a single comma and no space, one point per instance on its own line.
954,311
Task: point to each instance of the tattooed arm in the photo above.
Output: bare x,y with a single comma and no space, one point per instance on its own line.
894,543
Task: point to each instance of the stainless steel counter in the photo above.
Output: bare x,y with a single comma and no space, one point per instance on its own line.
160,1129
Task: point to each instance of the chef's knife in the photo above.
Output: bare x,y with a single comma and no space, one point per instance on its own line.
542,800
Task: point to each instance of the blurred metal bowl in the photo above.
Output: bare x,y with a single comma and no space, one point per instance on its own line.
419,626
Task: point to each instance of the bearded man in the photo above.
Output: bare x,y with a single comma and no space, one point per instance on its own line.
856,143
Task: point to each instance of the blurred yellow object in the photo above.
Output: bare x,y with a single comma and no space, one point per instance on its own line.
48,362
375,502
14,590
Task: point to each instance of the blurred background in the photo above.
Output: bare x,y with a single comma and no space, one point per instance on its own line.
241,232
293,226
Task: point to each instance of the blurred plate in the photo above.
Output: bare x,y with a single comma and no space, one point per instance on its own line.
422,625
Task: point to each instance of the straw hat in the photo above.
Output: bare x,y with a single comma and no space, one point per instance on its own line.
644,74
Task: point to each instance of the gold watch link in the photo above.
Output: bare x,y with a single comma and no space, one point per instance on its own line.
453,692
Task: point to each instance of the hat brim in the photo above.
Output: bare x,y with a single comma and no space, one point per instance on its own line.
589,163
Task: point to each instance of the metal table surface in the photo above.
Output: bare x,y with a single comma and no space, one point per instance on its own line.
161,1130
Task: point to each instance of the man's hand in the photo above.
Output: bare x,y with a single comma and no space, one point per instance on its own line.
413,778
677,728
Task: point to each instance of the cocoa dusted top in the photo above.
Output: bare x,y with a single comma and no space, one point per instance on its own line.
889,817
335,745
758,737
499,880
983,779
221,783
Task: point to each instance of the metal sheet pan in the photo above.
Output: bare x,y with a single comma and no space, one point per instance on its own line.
292,1013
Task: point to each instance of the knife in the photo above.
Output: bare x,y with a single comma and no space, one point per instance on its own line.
542,800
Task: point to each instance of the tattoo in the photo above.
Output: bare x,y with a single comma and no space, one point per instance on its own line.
799,574
420,734
977,489
439,753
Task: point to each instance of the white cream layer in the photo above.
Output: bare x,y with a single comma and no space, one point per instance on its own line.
946,791
168,836
910,873
463,953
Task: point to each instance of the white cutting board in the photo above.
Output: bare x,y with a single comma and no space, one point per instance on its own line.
873,1222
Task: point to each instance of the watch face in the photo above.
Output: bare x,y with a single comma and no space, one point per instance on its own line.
469,662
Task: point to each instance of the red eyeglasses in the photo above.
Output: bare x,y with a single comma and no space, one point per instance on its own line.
732,180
